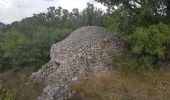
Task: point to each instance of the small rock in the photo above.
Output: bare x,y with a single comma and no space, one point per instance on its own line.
74,79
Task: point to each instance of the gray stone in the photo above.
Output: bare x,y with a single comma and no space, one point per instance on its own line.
87,50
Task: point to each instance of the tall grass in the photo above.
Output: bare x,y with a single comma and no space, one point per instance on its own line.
15,81
115,86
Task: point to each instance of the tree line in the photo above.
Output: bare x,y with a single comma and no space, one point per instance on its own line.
27,42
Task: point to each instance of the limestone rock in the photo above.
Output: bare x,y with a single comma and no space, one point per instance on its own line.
86,50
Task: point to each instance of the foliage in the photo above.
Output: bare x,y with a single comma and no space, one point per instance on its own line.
139,13
116,22
129,64
6,94
62,18
144,25
92,16
148,44
28,42
24,51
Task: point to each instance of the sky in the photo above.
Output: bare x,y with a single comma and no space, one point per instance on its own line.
15,10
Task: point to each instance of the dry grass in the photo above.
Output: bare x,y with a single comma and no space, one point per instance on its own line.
15,81
114,86
104,86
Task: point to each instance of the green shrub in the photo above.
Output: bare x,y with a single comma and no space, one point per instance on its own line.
148,45
6,94
129,65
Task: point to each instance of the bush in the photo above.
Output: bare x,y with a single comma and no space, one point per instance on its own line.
6,94
127,65
148,45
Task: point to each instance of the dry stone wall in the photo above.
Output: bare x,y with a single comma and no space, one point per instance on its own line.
86,50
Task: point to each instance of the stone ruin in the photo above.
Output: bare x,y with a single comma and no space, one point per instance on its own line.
87,50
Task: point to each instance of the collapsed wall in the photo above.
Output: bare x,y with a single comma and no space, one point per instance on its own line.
86,50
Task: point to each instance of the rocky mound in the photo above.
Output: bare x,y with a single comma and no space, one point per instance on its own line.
86,50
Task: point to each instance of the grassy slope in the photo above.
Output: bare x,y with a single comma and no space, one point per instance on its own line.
114,86
103,86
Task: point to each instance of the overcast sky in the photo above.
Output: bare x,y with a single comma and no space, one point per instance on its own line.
15,10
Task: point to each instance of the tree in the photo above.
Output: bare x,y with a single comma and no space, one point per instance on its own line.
24,51
92,16
150,10
144,24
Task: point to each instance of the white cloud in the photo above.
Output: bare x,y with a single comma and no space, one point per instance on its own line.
14,10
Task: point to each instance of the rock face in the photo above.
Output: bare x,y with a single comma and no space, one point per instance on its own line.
87,50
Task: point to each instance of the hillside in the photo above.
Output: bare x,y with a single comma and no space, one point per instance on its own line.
122,53
2,25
